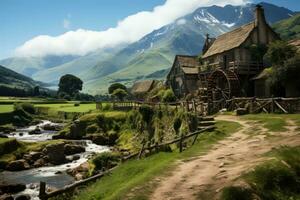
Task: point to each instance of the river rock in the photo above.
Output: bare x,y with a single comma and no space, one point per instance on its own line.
75,157
32,156
52,127
36,131
17,165
80,172
23,197
6,197
73,149
12,188
241,111
7,129
3,135
55,153
39,163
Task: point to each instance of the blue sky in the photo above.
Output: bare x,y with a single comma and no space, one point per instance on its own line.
22,20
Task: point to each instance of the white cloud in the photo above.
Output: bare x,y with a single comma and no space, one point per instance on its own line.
66,23
129,30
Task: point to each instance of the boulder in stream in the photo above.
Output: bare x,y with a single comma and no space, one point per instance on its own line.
36,131
32,157
18,165
12,188
52,127
55,153
3,135
23,197
73,149
6,197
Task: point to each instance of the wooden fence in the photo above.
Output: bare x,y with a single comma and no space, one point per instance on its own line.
267,105
189,106
43,195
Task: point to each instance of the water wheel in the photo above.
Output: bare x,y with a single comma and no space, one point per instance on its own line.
222,84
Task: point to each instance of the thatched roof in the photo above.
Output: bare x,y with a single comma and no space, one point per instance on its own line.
230,40
187,61
190,70
142,87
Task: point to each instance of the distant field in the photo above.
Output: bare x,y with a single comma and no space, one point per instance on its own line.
69,107
6,108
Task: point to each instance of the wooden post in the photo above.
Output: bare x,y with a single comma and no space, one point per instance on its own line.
141,152
42,194
181,143
272,105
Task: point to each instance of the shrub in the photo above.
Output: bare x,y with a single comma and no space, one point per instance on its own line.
169,96
107,107
147,113
28,107
177,124
92,128
236,193
76,104
106,160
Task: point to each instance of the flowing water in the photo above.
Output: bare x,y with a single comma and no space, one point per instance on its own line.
32,177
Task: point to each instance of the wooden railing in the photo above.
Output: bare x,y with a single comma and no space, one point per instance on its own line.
244,67
255,105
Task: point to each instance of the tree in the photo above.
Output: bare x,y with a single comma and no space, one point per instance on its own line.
70,84
115,86
36,91
279,52
120,94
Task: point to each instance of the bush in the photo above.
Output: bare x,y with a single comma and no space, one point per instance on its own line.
28,107
147,113
169,96
76,104
106,107
106,160
91,129
236,193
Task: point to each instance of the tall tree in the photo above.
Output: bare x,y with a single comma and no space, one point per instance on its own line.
115,86
70,84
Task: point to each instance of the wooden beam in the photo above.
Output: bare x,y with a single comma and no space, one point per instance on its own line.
279,106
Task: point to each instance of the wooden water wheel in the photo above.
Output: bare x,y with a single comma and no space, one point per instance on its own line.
222,84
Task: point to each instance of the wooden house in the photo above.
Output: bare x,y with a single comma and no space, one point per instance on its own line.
183,76
140,89
234,58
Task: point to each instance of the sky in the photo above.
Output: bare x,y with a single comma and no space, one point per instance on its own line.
77,27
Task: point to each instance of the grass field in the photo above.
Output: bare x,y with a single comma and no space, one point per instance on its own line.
6,108
69,107
139,172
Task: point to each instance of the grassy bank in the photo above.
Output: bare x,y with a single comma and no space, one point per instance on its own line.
138,173
274,122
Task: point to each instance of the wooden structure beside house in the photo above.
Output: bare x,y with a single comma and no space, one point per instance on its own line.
183,76
141,88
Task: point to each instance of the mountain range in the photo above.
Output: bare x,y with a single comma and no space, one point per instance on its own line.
151,56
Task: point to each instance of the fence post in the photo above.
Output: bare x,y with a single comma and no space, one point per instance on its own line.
181,143
272,105
42,193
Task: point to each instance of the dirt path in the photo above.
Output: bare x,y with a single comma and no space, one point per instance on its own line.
203,177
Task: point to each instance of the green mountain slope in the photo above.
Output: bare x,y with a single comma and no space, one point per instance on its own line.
289,28
76,67
10,78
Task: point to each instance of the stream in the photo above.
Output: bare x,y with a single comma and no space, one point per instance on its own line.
48,174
